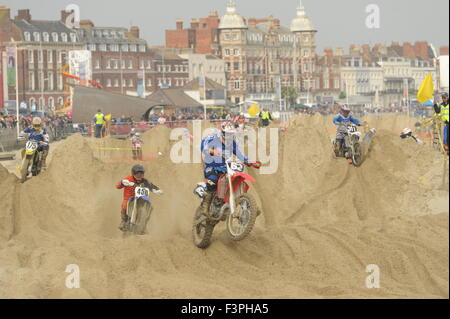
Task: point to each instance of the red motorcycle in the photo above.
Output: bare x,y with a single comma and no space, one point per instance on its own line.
237,208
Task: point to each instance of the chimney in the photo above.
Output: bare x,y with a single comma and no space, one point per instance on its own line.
195,23
328,52
86,24
339,51
135,32
443,50
24,14
276,22
252,22
5,15
179,24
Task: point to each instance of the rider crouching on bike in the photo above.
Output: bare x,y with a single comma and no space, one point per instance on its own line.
39,134
128,184
342,120
215,149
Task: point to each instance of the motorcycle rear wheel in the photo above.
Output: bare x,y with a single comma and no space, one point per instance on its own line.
202,232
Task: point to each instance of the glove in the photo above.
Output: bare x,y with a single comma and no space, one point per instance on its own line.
256,164
127,183
158,192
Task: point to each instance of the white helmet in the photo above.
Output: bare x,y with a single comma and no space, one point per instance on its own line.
406,131
227,128
37,121
137,134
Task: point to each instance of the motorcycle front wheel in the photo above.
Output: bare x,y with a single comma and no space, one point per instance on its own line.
357,155
24,169
241,224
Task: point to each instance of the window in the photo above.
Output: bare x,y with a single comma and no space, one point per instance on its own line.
92,47
40,56
236,84
27,36
236,66
227,66
46,37
130,83
142,48
124,82
51,102
51,86
116,64
227,52
133,48
149,64
60,82
141,64
108,83
149,82
30,56
64,37
123,64
50,56
31,81
116,83
60,101
130,64
236,51
32,101
103,47
73,37
37,36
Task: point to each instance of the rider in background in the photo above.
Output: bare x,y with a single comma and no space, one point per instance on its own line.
408,133
39,134
442,110
215,149
342,120
128,184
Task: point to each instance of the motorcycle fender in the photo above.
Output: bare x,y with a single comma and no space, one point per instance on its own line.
244,176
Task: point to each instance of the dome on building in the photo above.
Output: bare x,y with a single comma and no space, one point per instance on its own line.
232,20
301,22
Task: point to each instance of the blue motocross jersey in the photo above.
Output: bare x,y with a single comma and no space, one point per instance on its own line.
340,119
38,136
213,142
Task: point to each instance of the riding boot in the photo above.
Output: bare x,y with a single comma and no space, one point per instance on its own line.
206,203
44,160
124,223
337,148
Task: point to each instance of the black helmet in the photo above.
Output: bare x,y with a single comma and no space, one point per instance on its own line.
137,169
445,94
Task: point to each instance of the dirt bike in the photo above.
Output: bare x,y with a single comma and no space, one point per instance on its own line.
32,157
237,208
139,210
351,148
137,151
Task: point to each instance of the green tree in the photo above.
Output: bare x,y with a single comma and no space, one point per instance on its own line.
289,94
342,95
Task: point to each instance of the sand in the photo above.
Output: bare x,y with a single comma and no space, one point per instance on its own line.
323,222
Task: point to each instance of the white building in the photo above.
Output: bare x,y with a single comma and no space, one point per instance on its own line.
206,65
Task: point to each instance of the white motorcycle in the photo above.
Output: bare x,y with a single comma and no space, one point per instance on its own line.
139,210
32,160
351,148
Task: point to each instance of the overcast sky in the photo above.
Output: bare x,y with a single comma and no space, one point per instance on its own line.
339,22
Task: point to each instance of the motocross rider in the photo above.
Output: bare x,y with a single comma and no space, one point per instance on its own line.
128,184
137,139
408,133
342,120
215,149
39,134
